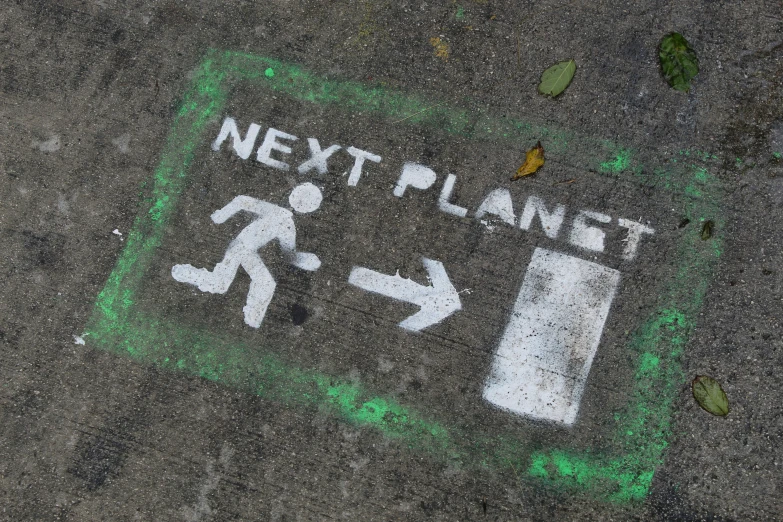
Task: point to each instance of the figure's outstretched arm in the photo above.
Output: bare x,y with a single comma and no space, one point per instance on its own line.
237,204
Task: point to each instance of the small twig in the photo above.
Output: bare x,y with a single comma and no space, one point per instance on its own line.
564,182
417,113
514,469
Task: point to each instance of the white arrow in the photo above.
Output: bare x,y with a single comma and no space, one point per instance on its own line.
437,301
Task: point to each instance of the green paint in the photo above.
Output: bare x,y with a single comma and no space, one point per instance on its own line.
460,13
619,163
698,154
701,175
622,473
146,338
777,155
200,103
645,427
475,124
649,362
692,191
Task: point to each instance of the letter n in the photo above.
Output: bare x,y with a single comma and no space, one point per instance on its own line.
550,221
243,147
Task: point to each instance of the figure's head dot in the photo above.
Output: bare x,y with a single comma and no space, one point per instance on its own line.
305,198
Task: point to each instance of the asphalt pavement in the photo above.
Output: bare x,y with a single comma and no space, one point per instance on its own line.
266,261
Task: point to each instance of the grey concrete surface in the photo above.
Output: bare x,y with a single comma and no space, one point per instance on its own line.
139,423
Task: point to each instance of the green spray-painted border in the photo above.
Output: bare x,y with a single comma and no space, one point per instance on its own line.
643,428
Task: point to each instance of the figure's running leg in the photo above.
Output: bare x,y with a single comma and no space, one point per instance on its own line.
217,281
262,288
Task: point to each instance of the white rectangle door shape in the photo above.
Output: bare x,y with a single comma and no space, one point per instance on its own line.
541,365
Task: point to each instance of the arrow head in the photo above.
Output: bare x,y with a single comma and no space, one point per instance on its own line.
437,301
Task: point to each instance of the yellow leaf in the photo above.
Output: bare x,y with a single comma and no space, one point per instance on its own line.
441,48
533,161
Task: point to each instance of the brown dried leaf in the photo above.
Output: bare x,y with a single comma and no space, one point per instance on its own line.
533,161
441,48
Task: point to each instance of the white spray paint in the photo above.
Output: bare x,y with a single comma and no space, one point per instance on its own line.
270,144
78,339
416,176
318,157
201,507
437,301
361,156
50,145
541,365
445,195
545,355
122,143
305,198
586,236
498,203
585,231
64,203
243,147
550,221
490,226
272,223
635,231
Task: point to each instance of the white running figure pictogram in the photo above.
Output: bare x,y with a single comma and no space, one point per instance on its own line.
272,222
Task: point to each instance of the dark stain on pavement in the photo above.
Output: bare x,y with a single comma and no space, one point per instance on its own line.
100,457
299,314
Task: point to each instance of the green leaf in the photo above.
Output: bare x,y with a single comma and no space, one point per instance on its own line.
710,395
678,61
706,230
555,79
